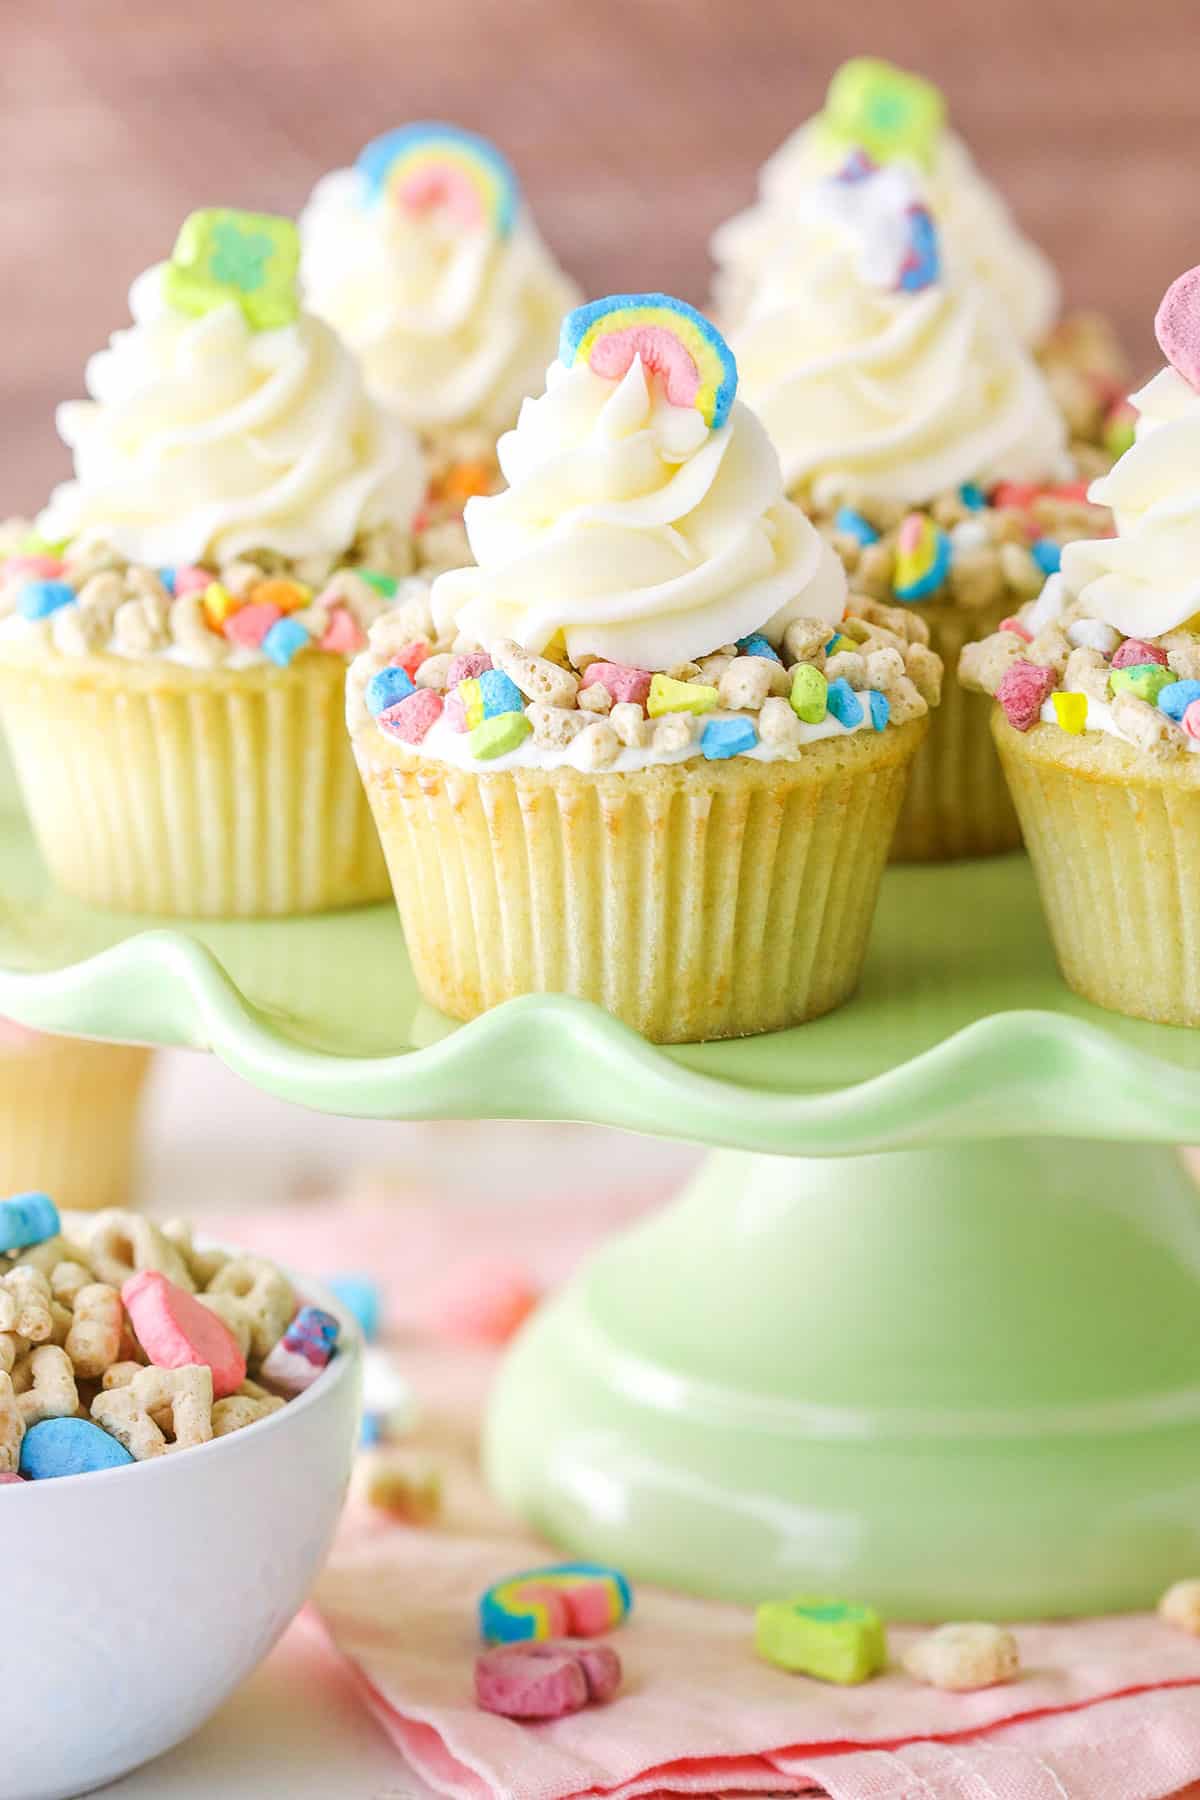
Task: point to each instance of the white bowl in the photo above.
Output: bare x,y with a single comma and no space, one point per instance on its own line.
135,1600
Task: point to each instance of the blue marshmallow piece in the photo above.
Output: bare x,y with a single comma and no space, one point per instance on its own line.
845,705
69,1447
758,645
852,524
285,638
972,496
499,694
1176,697
881,708
1047,555
360,1296
27,1219
38,599
722,738
167,577
387,687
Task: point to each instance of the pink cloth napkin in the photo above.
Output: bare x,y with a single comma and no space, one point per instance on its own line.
1105,1709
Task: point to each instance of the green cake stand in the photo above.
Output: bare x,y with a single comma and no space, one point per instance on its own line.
924,1331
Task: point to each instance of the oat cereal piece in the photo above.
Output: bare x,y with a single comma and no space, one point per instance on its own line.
1050,649
180,1402
1144,726
76,633
876,568
1087,673
713,667
537,678
235,1314
124,1418
66,1279
267,1294
554,727
1179,1606
433,671
805,641
45,1385
1183,658
983,664
122,1244
140,626
120,1374
883,667
12,1349
597,747
962,1658
12,1426
905,701
242,1409
188,626
100,597
630,724
976,580
924,670
746,683
202,1264
595,698
93,1339
672,732
778,725
847,666
905,621
25,1308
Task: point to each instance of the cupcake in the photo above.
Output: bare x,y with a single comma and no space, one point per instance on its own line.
1098,722
68,1116
639,753
914,425
173,640
424,258
896,117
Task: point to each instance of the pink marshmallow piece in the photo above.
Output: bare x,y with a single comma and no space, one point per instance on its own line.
1191,719
1023,692
466,668
7,1480
192,580
412,717
482,1302
589,1605
1177,326
33,568
410,656
1015,625
545,1681
1135,651
456,712
622,682
175,1330
344,636
249,625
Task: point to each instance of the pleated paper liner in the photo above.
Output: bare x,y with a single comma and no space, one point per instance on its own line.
958,803
68,1119
157,788
692,900
1115,845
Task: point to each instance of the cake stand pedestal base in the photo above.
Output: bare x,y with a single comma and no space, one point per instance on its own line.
954,1382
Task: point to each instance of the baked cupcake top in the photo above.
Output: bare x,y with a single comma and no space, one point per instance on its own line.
228,443
1113,643
897,118
425,259
644,591
878,368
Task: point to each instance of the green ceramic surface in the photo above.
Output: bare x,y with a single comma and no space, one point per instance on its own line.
953,1383
962,1027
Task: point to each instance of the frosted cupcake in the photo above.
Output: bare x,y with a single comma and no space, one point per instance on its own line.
897,117
68,1116
913,424
425,259
173,640
640,754
1099,717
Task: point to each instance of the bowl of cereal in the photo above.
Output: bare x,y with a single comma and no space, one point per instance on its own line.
177,1428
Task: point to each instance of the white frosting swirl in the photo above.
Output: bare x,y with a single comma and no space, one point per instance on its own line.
205,438
452,327
980,232
896,394
1146,580
635,531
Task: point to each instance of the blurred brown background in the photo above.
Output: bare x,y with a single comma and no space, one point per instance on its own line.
634,127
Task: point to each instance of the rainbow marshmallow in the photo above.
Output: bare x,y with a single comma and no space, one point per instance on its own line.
428,164
696,363
922,558
566,1599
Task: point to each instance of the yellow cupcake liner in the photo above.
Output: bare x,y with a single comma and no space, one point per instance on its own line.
225,793
692,900
958,803
68,1119
1115,844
